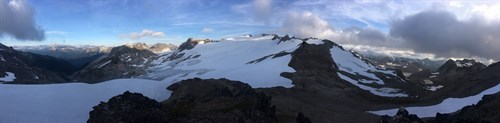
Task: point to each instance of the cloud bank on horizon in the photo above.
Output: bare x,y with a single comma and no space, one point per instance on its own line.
441,29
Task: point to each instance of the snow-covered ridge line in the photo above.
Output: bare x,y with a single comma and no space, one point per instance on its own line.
447,106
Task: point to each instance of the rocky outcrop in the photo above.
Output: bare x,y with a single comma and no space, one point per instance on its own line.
129,108
281,39
121,62
302,119
314,66
454,70
191,42
192,101
218,100
402,116
161,47
485,111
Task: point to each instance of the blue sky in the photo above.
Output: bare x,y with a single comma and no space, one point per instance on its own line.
101,22
380,24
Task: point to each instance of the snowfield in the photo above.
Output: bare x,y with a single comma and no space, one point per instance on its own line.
232,59
8,78
70,102
447,106
348,63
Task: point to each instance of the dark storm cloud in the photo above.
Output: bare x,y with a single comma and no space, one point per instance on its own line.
17,20
441,33
368,36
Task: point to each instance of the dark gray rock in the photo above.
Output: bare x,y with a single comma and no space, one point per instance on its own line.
218,100
402,116
30,68
191,42
122,62
302,119
129,108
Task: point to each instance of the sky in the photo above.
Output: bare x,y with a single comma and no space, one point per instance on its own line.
435,29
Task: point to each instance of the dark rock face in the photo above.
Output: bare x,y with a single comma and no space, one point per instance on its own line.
128,108
402,116
313,64
302,119
30,68
486,111
192,101
218,100
490,73
454,70
121,62
190,43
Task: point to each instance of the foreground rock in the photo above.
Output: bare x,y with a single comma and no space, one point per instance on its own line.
192,101
402,116
218,100
128,108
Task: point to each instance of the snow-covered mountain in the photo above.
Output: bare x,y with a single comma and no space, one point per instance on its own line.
260,61
301,75
155,48
65,51
407,65
125,61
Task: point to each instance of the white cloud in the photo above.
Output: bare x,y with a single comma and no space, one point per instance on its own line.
207,30
306,25
17,19
144,34
259,10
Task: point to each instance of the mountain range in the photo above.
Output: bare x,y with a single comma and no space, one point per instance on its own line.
317,78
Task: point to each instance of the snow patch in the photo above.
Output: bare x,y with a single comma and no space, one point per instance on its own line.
434,88
466,64
385,92
9,77
2,59
428,82
315,41
102,65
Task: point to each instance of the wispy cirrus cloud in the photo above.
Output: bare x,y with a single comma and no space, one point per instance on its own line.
207,30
